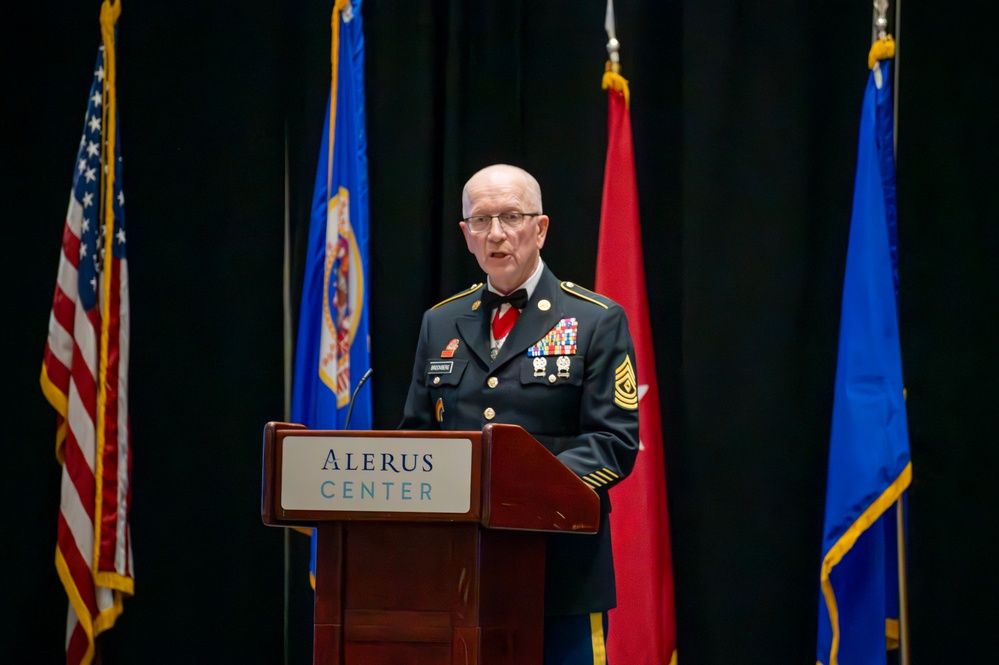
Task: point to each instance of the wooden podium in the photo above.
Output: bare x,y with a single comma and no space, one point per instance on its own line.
430,545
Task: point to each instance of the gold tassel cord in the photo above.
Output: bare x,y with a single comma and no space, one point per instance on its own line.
881,49
614,80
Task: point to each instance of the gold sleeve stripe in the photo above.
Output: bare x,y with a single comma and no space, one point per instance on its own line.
472,289
600,478
569,286
625,385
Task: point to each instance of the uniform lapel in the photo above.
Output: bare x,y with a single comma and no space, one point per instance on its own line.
534,322
473,326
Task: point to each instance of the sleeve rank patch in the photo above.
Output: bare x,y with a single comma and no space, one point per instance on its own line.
598,479
625,385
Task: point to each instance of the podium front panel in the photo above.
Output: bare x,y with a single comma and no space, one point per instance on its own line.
445,570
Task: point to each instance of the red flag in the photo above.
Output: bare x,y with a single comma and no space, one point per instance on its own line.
642,626
85,374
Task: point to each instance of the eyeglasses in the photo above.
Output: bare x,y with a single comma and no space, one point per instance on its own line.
510,221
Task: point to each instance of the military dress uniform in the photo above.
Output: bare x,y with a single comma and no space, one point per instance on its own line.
565,373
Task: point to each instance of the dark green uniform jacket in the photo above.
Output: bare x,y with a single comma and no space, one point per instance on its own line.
566,375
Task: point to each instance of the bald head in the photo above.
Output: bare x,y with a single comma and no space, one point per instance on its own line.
507,253
502,177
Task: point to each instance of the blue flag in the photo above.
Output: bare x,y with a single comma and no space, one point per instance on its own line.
332,353
869,465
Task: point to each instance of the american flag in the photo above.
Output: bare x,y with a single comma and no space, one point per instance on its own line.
85,378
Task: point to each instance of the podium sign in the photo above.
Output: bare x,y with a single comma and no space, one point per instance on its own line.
345,473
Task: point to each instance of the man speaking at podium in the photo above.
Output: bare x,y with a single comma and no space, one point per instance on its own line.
556,359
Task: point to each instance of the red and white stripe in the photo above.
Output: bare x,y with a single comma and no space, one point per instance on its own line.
93,556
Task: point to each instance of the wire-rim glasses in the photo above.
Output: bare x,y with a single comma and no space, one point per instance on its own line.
510,221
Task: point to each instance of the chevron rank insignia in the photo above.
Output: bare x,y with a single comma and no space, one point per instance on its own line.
560,340
625,385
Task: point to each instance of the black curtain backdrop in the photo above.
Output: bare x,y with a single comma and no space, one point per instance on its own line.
745,122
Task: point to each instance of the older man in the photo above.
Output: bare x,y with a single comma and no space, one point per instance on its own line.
550,356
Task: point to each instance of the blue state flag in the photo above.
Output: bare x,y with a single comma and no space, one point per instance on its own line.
332,353
869,464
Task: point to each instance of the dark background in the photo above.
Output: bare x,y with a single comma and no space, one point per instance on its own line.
745,120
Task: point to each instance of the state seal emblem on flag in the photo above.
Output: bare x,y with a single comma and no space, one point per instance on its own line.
343,296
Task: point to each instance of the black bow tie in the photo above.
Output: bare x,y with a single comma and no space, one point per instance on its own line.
492,300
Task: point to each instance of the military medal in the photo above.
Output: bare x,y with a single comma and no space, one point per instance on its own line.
540,362
563,364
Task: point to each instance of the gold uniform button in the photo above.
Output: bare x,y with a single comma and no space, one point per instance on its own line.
489,413
437,380
551,378
492,382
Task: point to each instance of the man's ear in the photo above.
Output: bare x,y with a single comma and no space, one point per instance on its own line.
542,230
468,236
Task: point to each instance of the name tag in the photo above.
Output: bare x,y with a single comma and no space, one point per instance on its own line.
444,367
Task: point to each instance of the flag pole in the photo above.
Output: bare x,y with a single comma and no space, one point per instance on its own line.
613,46
898,37
286,325
903,591
903,595
880,31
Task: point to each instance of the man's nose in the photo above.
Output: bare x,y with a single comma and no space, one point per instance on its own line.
496,229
